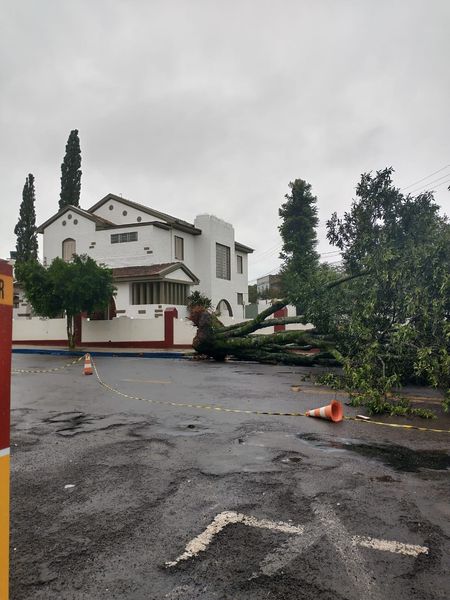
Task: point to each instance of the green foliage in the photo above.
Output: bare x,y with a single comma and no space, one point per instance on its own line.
376,404
392,321
71,172
446,402
298,232
198,299
25,230
331,380
72,287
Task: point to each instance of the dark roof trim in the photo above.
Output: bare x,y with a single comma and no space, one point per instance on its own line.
79,211
126,225
241,248
127,273
158,224
176,223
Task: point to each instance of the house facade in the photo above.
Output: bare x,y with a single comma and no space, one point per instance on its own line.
157,260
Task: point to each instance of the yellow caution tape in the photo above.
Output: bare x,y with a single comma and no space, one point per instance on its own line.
217,407
22,371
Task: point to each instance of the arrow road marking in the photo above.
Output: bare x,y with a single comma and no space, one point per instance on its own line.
202,541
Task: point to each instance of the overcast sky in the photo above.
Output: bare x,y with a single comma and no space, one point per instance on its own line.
214,106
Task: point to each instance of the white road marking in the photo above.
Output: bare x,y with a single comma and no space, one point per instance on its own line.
386,545
329,526
202,541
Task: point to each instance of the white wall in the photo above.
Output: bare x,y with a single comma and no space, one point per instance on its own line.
115,215
39,329
133,311
123,330
183,332
83,233
128,254
214,231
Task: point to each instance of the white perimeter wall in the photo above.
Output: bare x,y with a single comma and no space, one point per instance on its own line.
39,329
117,330
123,330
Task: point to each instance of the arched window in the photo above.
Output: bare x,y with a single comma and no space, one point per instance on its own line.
69,248
224,308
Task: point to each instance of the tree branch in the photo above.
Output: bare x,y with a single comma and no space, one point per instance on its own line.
263,315
249,327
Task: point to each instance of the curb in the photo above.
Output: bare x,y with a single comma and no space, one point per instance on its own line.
61,352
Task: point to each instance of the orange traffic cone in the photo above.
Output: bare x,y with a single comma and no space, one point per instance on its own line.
332,412
87,365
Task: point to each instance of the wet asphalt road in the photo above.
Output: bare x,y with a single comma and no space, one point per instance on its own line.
150,477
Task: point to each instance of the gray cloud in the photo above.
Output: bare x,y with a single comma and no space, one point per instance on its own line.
209,106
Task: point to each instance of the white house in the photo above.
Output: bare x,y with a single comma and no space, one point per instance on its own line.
157,260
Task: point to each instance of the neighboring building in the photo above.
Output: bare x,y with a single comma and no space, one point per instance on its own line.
21,306
157,260
268,286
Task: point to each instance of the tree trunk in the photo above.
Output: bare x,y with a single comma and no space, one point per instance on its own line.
288,347
70,328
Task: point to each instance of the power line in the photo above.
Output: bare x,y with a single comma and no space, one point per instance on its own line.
430,183
423,178
443,183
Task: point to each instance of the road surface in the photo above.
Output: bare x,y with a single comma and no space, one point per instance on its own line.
137,496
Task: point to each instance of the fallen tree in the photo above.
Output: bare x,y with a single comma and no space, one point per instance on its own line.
240,341
383,312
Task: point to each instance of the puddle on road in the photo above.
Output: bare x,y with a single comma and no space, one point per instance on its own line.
397,457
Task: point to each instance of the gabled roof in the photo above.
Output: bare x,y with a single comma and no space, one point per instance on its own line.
176,223
79,211
151,272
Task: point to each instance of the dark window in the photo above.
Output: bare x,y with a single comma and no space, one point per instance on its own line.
239,264
120,238
179,248
223,262
240,298
159,292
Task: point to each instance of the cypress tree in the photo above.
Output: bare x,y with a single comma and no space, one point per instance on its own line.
25,230
298,231
71,172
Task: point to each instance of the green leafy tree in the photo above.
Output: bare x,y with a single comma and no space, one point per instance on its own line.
74,287
394,309
25,230
71,172
298,232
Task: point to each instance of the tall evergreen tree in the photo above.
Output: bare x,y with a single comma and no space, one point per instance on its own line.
298,232
25,230
71,172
